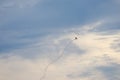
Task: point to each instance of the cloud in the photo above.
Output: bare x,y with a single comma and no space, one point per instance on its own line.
93,56
87,58
116,45
111,71
18,3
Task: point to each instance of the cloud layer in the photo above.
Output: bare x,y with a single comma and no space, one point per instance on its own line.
93,56
18,3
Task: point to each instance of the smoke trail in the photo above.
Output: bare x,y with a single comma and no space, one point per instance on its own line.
55,60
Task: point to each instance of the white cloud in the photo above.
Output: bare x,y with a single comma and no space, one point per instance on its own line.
70,66
18,3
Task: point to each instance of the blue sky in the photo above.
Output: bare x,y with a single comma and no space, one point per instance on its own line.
33,32
32,18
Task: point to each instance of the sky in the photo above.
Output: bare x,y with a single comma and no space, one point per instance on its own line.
38,33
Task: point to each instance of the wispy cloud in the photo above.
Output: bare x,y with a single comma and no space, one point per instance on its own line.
18,3
26,50
86,58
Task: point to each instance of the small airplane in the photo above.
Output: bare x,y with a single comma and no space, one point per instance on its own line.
76,38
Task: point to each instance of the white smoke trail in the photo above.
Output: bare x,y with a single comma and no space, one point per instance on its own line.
55,60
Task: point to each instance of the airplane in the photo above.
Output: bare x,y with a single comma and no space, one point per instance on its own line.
76,38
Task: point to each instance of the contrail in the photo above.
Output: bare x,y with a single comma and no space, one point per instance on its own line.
55,60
